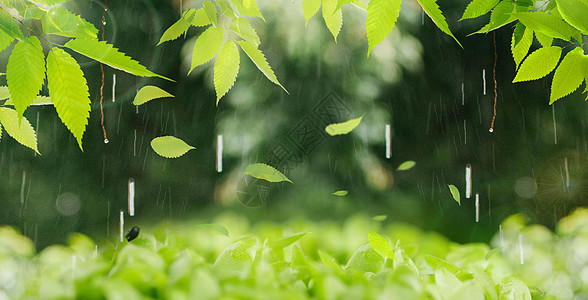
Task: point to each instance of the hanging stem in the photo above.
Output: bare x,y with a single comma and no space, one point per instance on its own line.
495,84
102,72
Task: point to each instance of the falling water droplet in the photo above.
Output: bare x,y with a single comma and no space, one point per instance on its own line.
491,130
501,237
462,94
106,141
113,87
477,207
95,251
468,174
389,140
135,143
484,80
567,174
554,124
131,197
22,187
521,253
37,131
219,153
465,133
122,225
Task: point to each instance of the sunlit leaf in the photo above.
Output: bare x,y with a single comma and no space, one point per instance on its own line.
181,26
287,240
381,19
207,46
380,218
50,2
407,165
501,15
226,9
244,29
226,69
69,92
569,75
266,172
25,72
5,40
538,64
544,40
380,245
333,19
107,54
478,8
522,38
513,288
342,2
260,62
210,10
200,18
19,129
38,101
4,93
340,193
344,127
170,146
215,228
310,8
432,10
9,26
150,92
575,12
365,259
493,253
545,23
436,262
455,193
60,21
247,8
486,283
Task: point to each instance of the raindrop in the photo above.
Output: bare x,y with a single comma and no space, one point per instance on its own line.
462,94
95,251
106,141
135,143
108,219
389,139
103,22
521,253
122,225
477,207
22,187
484,80
468,174
501,236
491,130
37,130
113,87
422,17
465,133
554,124
219,153
567,174
131,197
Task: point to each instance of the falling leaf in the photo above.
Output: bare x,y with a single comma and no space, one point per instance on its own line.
215,228
340,193
407,165
266,172
492,253
380,245
170,146
455,193
380,218
343,128
148,93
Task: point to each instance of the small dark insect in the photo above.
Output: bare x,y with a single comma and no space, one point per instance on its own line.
132,233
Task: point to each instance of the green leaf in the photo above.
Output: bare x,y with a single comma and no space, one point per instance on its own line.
513,288
436,262
381,19
455,193
380,218
287,240
25,72
486,283
544,39
215,228
9,26
247,8
5,40
49,2
18,127
380,245
4,93
333,19
478,8
170,146
365,259
244,29
569,75
538,64
310,8
259,60
546,24
266,172
60,21
340,193
432,9
207,46
200,18
150,92
38,101
211,12
575,12
522,38
69,92
107,54
343,128
407,165
180,27
226,69
500,16
493,253
226,9
343,2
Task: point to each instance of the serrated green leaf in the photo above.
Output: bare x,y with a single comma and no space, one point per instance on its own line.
522,38
69,92
310,8
258,59
215,228
25,72
4,93
455,193
5,40
538,64
432,10
226,69
33,11
342,2
478,8
501,15
287,240
244,29
211,13
226,9
150,92
200,18
180,27
247,8
340,193
266,172
381,19
407,165
38,101
170,146
19,128
513,288
107,54
344,127
543,39
333,19
569,75
9,26
545,23
50,2
380,245
575,12
207,46
60,21
493,253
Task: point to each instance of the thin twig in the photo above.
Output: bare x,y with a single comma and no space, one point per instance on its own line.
102,72
495,84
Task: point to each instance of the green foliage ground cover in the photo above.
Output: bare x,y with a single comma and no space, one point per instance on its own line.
302,260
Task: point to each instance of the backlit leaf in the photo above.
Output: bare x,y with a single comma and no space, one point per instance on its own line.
436,262
569,75
50,2
365,259
343,128
207,46
513,288
210,10
310,8
486,283
455,193
200,18
23,133
340,193
432,10
247,8
287,240
107,54
380,218
342,2
333,19
150,92
9,26
215,228
5,40
60,21
4,93
226,9
545,23
500,16
259,60
575,12
522,38
226,69
380,245
478,8
69,92
407,165
544,39
244,29
37,101
538,64
381,19
266,172
170,146
493,253
180,27
25,72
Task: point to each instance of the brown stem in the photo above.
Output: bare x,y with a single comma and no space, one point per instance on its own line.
102,72
495,84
